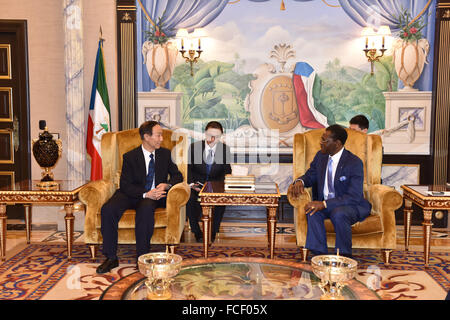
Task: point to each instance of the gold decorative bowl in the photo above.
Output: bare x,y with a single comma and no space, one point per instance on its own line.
334,271
160,268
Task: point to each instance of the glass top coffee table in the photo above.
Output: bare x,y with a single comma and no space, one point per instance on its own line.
238,279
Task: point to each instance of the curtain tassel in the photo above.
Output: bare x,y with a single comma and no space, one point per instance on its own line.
282,7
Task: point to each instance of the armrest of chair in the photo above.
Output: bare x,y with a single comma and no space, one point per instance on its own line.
300,222
385,200
177,197
94,195
301,200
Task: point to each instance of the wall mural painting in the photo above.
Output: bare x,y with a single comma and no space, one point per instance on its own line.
270,72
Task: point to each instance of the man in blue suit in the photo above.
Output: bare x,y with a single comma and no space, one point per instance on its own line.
336,176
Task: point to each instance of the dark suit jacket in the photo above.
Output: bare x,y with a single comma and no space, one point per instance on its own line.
132,178
348,182
197,165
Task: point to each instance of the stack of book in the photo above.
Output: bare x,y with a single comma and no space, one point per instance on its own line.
239,183
266,186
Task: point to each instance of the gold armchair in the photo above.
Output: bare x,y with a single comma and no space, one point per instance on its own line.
376,231
169,221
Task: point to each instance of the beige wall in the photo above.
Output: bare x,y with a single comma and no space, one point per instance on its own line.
46,61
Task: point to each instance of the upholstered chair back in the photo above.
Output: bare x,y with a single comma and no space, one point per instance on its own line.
116,144
367,147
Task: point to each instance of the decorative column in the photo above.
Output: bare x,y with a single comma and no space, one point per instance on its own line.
74,70
441,100
126,46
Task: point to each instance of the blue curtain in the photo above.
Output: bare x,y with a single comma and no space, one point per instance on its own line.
177,14
383,12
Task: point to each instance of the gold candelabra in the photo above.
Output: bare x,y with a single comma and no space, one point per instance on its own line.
371,55
192,55
191,58
372,51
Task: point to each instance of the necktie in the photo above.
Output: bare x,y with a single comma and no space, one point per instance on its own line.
209,161
150,174
330,179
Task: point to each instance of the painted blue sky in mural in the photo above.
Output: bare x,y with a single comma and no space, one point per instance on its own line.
317,32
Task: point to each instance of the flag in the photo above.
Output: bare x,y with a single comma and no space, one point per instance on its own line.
99,121
303,78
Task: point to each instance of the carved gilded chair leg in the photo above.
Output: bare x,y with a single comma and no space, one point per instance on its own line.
93,250
170,248
303,254
386,255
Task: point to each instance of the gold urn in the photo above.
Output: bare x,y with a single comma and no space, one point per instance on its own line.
160,268
46,151
335,272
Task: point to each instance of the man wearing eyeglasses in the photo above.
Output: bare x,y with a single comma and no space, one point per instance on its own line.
209,160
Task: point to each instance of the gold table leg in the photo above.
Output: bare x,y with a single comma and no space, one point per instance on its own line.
69,228
427,224
407,222
2,231
272,222
206,218
28,221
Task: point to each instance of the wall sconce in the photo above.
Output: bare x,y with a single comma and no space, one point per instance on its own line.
189,40
374,48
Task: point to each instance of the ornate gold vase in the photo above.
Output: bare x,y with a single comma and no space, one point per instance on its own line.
47,151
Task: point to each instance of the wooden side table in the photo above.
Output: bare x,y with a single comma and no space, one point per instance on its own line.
213,194
429,198
27,193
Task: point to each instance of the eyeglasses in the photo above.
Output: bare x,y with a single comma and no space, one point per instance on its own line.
208,135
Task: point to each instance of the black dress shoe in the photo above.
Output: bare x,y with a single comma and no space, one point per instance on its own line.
107,265
198,236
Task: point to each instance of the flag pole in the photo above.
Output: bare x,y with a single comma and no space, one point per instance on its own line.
100,37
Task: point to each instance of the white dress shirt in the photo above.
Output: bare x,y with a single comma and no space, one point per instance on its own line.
207,148
335,159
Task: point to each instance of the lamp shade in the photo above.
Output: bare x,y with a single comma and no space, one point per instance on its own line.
384,31
182,33
367,32
199,33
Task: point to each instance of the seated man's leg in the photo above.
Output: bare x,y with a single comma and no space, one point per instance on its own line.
111,213
217,219
194,212
316,236
342,219
145,222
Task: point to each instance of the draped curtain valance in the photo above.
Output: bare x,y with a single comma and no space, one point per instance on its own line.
199,13
175,14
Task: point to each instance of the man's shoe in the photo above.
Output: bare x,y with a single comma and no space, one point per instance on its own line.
348,256
107,265
198,236
157,248
317,253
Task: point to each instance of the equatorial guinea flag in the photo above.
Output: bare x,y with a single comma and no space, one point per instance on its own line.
99,121
303,79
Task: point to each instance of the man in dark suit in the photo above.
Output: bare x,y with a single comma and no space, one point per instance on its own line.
143,187
336,177
209,160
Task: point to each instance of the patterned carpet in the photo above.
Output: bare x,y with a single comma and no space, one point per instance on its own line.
41,271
